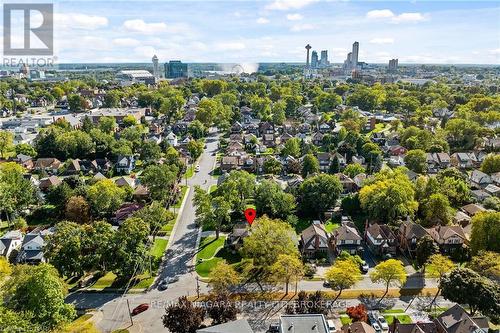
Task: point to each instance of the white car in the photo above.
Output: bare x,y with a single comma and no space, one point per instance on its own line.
331,326
376,327
383,323
197,168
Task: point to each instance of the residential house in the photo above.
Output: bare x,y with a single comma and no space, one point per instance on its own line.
479,179
324,128
171,139
10,243
25,161
324,160
31,251
125,211
492,190
229,163
317,138
463,160
234,240
314,241
397,150
457,320
346,238
359,160
236,127
418,327
235,326
472,209
357,327
50,165
49,182
448,237
380,239
266,128
408,235
125,164
125,181
269,140
314,323
348,185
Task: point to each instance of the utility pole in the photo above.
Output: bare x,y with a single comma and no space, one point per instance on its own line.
130,313
198,287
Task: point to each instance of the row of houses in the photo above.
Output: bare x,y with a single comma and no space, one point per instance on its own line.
25,248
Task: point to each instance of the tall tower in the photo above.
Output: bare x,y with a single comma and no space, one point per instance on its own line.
308,47
355,53
156,67
324,58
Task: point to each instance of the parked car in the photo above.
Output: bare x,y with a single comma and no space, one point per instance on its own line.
197,168
140,308
364,267
383,323
274,328
331,326
376,327
326,284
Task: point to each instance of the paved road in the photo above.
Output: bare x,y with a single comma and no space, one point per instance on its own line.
179,262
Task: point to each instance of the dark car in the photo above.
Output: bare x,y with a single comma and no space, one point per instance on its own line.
364,267
274,328
140,308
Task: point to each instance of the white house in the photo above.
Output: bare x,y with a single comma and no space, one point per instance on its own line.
9,242
172,139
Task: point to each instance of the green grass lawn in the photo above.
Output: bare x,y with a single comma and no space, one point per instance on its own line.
105,282
345,320
403,319
393,311
159,247
181,197
209,246
189,172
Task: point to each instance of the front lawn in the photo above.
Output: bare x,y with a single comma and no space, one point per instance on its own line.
189,172
345,320
181,197
106,281
403,319
159,248
209,246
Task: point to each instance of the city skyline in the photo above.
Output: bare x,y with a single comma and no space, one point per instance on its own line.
276,31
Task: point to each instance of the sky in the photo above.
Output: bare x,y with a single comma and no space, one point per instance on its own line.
443,32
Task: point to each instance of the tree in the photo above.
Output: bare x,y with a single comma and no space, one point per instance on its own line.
107,124
491,164
221,309
78,209
416,160
272,166
212,212
310,165
465,286
64,249
16,192
195,149
436,267
40,291
237,188
357,313
197,129
25,149
343,275
268,239
485,232
150,152
112,99
223,277
426,247
437,210
74,144
388,196
58,196
279,115
354,169
270,199
155,215
15,321
6,142
105,197
5,269
129,120
183,317
326,102
130,248
486,263
287,268
389,272
77,103
319,193
291,148
160,181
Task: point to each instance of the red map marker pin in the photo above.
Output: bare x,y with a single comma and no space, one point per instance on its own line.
250,214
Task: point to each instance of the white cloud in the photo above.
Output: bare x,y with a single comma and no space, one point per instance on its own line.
382,40
387,14
409,17
495,51
230,46
79,21
302,27
288,4
143,27
378,14
294,17
128,42
262,20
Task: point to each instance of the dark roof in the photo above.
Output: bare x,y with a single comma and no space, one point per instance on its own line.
456,320
236,326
